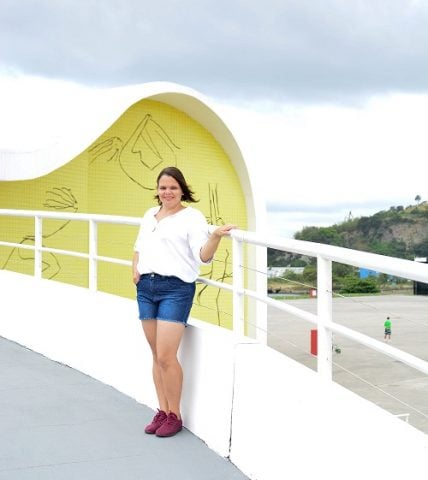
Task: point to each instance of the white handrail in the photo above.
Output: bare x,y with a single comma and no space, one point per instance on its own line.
379,263
99,218
325,255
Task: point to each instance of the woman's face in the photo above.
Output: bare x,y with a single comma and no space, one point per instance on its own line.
169,191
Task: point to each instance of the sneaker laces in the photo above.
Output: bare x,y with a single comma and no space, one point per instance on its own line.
159,416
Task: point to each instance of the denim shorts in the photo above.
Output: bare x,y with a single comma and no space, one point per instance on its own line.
164,298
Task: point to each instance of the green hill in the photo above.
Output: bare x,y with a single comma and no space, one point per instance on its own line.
398,232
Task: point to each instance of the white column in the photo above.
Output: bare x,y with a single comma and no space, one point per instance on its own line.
324,311
260,254
238,287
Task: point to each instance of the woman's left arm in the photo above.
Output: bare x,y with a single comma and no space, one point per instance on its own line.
208,250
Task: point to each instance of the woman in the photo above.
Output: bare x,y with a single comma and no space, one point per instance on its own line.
172,243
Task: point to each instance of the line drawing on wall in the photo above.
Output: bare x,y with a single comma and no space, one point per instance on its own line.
147,149
59,198
215,218
140,155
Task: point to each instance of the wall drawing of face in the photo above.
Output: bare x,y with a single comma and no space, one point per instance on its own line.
140,156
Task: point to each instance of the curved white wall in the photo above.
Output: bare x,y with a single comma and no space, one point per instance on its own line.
274,417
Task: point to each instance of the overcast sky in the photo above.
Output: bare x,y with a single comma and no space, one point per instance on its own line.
332,87
306,49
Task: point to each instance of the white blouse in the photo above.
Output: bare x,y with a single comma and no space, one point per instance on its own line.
172,245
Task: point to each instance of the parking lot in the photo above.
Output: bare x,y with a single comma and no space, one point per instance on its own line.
389,383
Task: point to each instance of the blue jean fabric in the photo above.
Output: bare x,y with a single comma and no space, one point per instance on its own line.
164,298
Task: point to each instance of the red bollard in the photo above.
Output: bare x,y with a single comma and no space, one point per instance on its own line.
314,342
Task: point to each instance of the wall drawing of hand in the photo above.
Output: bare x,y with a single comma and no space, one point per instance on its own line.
107,150
142,154
59,198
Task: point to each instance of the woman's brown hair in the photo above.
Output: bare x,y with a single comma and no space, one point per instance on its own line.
176,173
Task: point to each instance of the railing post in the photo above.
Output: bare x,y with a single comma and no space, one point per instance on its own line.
324,312
38,235
238,287
93,270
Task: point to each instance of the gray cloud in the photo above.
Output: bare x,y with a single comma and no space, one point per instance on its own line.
309,50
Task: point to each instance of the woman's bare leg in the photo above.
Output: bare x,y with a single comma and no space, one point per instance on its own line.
168,338
150,331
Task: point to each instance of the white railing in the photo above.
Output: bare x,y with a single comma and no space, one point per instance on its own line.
325,255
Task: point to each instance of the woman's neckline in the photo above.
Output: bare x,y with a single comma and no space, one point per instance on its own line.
167,214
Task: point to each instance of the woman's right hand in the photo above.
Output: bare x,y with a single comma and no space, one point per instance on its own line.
136,277
135,273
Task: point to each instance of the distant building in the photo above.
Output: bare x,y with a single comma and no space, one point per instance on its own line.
365,272
420,288
275,272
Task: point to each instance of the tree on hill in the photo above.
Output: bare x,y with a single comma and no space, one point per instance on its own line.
327,235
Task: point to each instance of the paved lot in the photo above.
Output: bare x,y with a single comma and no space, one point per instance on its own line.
57,423
388,383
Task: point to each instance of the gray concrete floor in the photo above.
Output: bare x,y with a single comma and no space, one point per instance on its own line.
388,383
57,423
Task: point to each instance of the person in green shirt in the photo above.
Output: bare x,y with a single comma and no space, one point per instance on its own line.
387,326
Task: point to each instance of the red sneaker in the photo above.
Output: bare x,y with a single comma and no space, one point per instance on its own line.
157,421
170,427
